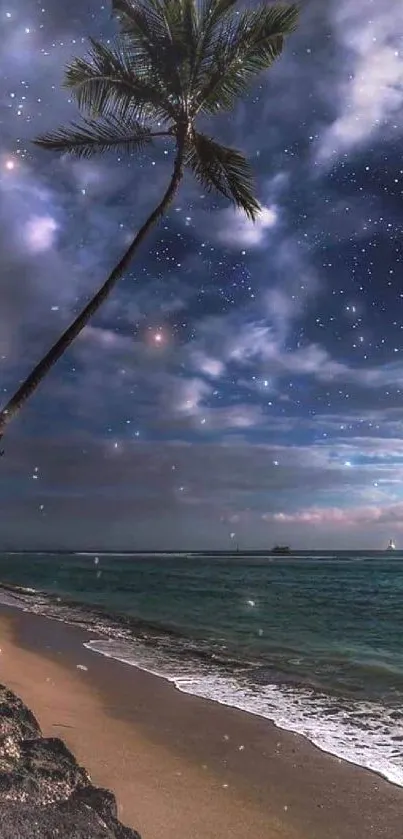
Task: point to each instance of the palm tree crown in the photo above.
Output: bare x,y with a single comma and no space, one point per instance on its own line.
171,62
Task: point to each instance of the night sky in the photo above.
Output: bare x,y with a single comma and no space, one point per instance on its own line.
244,382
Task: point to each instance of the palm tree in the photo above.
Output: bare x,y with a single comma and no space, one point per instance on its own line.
171,63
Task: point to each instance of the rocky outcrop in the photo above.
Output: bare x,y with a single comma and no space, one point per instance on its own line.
44,793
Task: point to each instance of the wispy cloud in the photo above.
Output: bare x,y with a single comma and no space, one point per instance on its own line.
40,233
233,228
352,518
371,74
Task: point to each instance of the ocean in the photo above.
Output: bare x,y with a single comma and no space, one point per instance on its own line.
313,643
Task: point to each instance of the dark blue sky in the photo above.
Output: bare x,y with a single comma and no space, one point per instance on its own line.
244,381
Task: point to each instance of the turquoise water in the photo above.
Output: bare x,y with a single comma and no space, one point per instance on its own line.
313,643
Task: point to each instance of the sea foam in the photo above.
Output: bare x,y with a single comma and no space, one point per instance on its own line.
363,733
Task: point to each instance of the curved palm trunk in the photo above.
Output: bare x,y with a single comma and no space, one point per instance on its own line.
34,379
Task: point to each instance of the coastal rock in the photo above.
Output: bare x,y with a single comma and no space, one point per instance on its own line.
42,771
64,821
103,802
44,793
15,717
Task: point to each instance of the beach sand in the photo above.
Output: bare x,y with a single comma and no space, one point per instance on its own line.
183,767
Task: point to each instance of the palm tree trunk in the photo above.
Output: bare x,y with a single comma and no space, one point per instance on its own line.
39,372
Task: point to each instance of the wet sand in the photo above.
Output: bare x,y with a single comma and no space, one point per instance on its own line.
183,767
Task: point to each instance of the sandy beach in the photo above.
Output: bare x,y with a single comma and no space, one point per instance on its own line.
181,766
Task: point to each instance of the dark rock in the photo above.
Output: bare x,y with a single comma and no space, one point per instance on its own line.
101,800
104,803
15,717
44,793
56,821
50,757
43,769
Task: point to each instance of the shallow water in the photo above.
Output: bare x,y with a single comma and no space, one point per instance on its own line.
313,643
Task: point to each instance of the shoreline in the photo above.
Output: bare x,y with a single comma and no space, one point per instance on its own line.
93,646
329,722
200,768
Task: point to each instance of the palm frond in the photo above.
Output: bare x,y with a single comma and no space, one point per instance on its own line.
213,12
243,48
199,24
89,137
190,28
179,52
139,18
225,170
110,81
156,29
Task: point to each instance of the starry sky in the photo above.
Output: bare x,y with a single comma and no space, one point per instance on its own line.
244,383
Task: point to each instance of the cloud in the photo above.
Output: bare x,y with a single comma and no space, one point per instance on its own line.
248,343
371,91
103,339
233,228
40,232
335,517
282,308
211,367
230,343
190,395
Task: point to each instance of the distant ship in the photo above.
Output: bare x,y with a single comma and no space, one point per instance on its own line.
281,550
391,546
